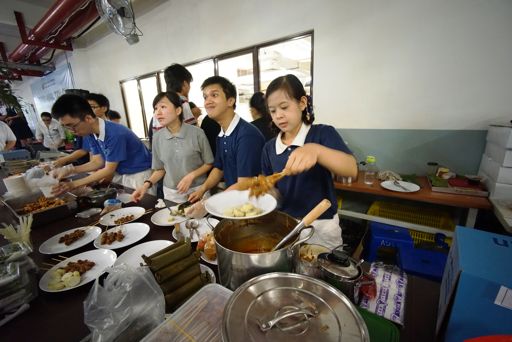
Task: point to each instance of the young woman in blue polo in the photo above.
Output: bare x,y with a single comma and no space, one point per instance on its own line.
310,153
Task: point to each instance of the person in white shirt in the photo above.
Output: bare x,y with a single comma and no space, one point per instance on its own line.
7,137
50,132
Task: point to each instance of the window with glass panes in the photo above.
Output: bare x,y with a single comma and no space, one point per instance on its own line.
250,69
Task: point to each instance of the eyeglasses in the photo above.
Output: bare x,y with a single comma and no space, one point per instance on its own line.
73,127
94,107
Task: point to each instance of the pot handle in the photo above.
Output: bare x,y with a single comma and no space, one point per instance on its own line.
308,313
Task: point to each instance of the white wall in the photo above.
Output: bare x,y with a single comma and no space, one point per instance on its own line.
402,64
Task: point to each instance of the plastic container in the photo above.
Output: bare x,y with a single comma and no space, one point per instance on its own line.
428,263
420,215
371,170
198,319
112,204
383,235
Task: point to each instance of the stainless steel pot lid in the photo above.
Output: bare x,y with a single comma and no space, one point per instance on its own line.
339,265
284,306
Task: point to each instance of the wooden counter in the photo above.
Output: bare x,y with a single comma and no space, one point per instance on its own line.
425,195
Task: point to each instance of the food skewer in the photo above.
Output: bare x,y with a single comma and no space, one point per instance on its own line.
260,185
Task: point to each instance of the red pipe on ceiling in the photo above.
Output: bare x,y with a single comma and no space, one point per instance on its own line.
79,21
59,11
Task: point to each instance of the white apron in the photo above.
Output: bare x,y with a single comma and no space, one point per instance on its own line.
134,180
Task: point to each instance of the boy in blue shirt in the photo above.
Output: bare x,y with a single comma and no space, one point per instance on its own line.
239,143
126,160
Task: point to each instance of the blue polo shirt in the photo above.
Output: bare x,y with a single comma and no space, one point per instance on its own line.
302,192
239,151
117,143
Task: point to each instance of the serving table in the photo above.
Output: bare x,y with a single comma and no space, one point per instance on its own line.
60,317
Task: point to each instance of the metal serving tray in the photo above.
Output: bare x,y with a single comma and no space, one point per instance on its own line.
41,217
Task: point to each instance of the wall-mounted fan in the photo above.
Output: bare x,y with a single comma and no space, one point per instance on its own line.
120,17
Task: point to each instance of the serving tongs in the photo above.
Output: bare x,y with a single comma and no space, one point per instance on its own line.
260,185
306,221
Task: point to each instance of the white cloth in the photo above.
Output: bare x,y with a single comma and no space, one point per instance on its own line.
6,134
188,116
51,135
174,196
134,180
327,233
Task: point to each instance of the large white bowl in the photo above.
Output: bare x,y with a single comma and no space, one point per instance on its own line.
219,203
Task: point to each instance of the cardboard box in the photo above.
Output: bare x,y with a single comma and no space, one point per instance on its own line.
497,172
476,291
500,135
499,154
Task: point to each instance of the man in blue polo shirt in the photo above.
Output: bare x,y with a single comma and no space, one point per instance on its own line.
239,143
126,160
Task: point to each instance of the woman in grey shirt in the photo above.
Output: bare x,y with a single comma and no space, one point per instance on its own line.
181,152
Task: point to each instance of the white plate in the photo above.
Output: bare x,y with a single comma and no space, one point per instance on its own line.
219,203
205,268
133,232
133,256
161,217
411,187
103,258
109,218
213,262
52,245
202,229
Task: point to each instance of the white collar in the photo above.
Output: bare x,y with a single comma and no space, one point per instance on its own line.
101,123
231,126
299,139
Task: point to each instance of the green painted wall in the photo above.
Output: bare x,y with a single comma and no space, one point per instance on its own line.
408,151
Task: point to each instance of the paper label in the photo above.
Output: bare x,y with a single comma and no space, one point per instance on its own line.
504,298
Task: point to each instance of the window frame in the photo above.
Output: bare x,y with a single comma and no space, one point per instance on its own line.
254,50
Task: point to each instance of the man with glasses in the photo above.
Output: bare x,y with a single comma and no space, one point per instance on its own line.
117,153
50,132
100,105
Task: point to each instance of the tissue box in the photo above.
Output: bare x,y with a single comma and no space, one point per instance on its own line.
476,291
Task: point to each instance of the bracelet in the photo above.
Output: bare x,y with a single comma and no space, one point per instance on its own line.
150,183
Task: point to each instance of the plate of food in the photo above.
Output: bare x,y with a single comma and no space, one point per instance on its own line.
400,186
206,269
235,204
77,270
167,218
206,245
133,256
122,236
203,227
69,240
122,216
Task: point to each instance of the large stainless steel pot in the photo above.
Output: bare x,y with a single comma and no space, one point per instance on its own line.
243,247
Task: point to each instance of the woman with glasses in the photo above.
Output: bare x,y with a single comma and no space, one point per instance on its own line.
50,132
